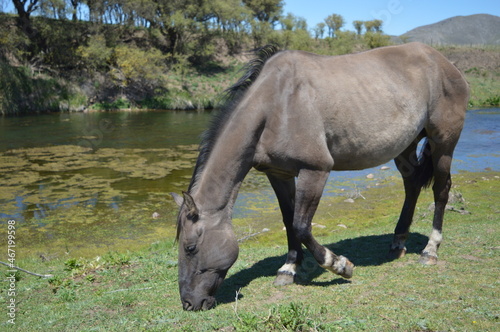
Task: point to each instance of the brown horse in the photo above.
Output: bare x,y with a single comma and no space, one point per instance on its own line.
296,116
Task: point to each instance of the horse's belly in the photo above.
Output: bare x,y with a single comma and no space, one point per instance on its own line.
361,161
359,150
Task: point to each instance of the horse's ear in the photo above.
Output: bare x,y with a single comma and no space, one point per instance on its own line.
191,206
178,199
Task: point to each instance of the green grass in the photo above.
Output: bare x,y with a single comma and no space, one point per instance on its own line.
135,291
194,89
485,89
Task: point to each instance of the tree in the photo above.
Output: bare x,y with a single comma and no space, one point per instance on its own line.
261,31
74,9
373,26
334,23
294,31
266,10
319,30
53,9
291,23
377,25
230,19
24,10
287,22
358,25
184,23
95,10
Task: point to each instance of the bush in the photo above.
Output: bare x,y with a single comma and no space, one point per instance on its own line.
134,65
377,39
96,55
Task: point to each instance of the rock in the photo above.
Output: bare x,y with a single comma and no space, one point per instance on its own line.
342,225
384,168
370,176
349,200
156,215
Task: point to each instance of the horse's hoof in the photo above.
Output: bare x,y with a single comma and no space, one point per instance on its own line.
427,259
348,270
283,279
343,267
396,253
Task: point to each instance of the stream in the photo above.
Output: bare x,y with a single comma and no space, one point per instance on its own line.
83,183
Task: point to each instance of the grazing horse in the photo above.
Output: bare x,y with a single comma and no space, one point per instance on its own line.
296,116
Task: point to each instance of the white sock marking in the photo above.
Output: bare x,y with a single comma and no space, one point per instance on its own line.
288,268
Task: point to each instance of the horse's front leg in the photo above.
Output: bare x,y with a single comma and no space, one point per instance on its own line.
310,185
285,192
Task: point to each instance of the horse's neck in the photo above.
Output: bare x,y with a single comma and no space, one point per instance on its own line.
229,162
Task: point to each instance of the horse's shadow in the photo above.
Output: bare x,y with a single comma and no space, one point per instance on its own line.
369,250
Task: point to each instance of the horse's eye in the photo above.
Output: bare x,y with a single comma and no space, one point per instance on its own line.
191,249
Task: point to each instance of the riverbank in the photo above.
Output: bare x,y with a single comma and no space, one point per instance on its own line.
482,70
191,88
134,290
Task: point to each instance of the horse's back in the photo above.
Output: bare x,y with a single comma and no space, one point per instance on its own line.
361,109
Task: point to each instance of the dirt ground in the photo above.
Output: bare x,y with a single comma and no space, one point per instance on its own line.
467,58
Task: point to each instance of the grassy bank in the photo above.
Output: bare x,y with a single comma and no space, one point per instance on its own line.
480,66
485,88
25,91
136,291
188,87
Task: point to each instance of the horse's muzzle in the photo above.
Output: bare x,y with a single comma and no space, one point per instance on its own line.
202,304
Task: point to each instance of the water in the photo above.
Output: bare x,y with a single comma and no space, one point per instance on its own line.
78,183
479,145
94,158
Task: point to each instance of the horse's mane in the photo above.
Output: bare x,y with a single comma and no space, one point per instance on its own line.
230,100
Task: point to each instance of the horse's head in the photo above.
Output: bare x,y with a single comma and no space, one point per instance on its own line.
207,249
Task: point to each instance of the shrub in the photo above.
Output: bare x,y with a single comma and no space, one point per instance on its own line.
96,54
134,65
377,39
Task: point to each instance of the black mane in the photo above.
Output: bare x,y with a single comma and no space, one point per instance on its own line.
230,100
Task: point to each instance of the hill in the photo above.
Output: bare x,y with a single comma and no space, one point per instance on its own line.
480,29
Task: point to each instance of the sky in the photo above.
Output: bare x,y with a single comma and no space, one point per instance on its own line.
399,16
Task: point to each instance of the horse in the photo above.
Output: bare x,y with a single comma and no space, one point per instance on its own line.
296,116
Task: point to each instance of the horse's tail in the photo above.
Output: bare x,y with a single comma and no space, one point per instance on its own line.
424,171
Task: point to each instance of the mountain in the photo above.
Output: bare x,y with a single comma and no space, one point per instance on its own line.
458,30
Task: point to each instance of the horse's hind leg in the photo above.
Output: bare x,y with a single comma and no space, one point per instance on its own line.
441,188
285,192
443,136
407,164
